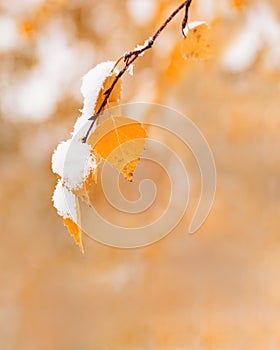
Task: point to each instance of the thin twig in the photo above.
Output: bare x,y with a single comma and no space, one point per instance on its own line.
185,20
131,56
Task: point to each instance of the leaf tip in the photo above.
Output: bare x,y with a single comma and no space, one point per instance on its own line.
75,231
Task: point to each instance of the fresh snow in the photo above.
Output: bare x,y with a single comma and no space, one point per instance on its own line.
81,126
192,25
73,162
64,202
141,47
92,84
130,69
58,157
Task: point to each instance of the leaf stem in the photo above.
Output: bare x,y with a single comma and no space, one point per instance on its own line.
131,56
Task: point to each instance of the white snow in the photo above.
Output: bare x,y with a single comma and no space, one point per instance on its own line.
260,32
64,202
81,126
73,162
192,25
130,69
91,85
59,156
141,47
141,11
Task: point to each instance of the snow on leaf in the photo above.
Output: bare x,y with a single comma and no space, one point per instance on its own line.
131,69
115,95
75,231
196,44
120,141
64,201
67,206
95,83
73,161
75,228
92,83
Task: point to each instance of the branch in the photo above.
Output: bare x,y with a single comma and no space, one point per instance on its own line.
131,56
185,20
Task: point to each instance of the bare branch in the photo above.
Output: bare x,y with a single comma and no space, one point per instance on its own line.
131,56
186,17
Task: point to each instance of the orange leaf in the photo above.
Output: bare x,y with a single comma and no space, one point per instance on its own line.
114,96
74,229
121,142
196,44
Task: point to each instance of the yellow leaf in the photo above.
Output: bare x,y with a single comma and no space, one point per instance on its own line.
91,178
113,101
74,229
129,169
114,96
120,141
196,44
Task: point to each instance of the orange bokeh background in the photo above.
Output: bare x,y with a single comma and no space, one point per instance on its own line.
217,289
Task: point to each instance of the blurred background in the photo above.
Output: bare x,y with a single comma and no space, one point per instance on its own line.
218,289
